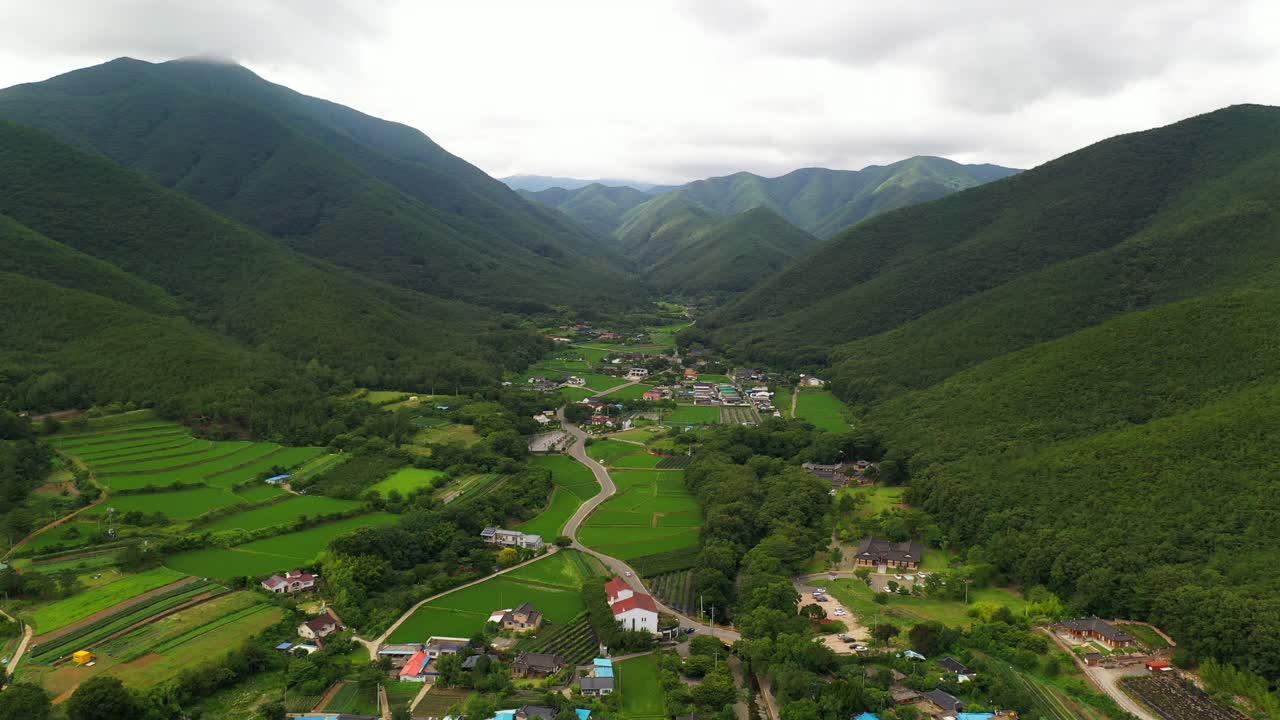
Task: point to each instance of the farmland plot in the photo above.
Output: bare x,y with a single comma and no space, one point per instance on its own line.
823,409
68,610
284,512
1177,699
652,513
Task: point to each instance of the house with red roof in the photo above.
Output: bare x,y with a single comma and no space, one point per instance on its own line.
292,582
417,669
633,610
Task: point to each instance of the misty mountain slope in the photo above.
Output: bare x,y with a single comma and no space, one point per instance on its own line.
378,197
160,252
902,266
538,183
731,255
596,207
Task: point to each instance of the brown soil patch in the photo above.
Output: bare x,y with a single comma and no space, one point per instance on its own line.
653,521
54,635
141,662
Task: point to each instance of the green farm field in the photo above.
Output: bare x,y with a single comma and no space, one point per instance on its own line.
909,611
406,480
606,451
263,557
782,399
547,583
823,409
652,513
630,392
693,415
575,394
642,696
448,435
281,513
179,504
61,613
637,460
550,521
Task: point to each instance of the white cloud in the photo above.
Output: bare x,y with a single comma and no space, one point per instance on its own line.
669,90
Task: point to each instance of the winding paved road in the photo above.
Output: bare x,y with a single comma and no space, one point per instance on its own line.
578,451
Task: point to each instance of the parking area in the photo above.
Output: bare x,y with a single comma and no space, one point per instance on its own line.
856,631
880,581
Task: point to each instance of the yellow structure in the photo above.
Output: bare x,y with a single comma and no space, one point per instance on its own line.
81,657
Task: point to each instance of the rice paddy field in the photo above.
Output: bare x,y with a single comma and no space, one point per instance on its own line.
606,451
574,484
552,584
406,480
693,415
652,513
284,512
274,554
821,408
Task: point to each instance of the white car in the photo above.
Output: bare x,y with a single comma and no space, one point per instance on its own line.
897,577
839,613
627,573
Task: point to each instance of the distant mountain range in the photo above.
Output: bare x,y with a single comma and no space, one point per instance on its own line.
546,182
819,201
684,222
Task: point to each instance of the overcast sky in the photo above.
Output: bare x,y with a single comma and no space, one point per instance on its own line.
669,91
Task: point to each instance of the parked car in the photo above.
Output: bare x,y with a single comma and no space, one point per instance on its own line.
839,612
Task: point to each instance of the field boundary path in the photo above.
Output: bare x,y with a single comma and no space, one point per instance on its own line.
22,645
1104,681
578,451
373,645
795,395
328,696
615,389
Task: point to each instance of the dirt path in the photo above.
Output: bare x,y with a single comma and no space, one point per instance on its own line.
328,696
795,395
101,499
578,452
421,694
1106,681
612,390
55,634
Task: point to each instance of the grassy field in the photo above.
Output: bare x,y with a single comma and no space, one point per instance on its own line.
877,498
257,493
62,535
909,611
61,613
640,459
717,379
640,435
551,584
823,409
574,483
651,513
600,383
642,697
406,480
263,557
284,512
693,415
782,400
606,451
550,521
575,394
631,392
448,435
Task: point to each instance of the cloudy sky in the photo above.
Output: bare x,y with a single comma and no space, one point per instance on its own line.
671,90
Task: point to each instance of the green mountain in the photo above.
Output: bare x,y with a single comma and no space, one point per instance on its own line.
597,207
124,290
820,201
731,255
538,183
1078,366
371,195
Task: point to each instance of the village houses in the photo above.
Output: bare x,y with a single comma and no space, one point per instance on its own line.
291,582
633,610
525,618
511,538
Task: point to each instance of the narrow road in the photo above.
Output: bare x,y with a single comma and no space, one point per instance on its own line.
627,384
578,451
102,497
22,646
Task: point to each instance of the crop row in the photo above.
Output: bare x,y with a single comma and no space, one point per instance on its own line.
675,589
665,562
209,627
674,462
575,641
114,623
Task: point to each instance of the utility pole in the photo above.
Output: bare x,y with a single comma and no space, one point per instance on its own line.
967,583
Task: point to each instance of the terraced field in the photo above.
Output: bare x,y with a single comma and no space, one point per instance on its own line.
283,512
274,554
651,513
60,613
552,584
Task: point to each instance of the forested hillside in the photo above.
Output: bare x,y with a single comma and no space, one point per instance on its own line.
1078,366
375,196
126,291
820,201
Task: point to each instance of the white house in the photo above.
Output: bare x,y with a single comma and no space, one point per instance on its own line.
633,610
292,582
318,627
498,536
576,381
637,373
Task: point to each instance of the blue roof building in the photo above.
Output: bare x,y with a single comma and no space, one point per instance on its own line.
602,662
975,716
583,713
602,671
867,716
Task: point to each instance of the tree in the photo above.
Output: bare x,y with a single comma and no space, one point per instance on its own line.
24,701
885,632
102,698
508,556
814,612
563,541
274,710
